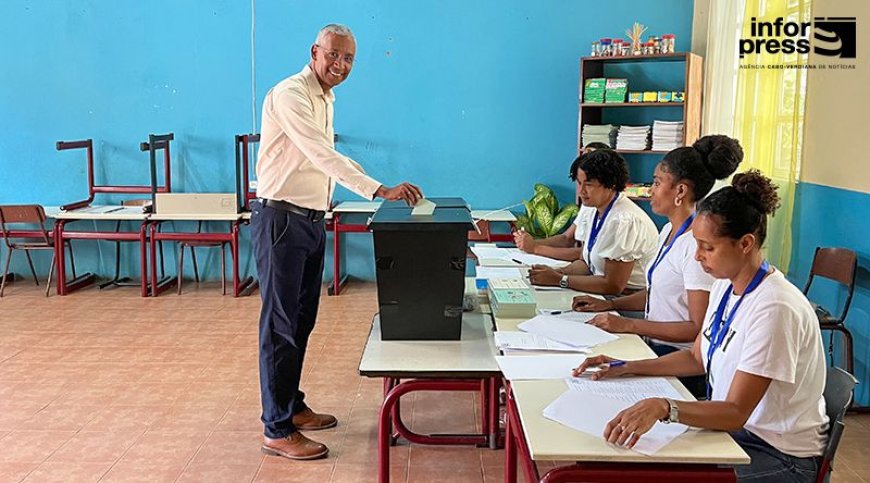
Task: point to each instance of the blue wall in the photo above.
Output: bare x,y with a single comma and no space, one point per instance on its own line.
472,99
831,217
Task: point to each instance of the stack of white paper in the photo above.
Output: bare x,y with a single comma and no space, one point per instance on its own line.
486,254
550,366
667,135
633,137
511,341
498,272
598,410
577,334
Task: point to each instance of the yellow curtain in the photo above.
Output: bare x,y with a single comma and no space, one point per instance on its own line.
769,118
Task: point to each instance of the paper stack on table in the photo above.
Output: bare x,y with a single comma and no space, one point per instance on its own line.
574,333
667,135
535,367
603,400
515,341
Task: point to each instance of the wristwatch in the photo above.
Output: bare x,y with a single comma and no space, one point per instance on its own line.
564,282
673,412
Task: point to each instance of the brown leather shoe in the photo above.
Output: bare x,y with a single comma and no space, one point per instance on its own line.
308,420
296,447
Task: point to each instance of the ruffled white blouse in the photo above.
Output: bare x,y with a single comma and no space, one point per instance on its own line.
628,235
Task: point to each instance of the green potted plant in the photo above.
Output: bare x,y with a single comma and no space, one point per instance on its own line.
544,217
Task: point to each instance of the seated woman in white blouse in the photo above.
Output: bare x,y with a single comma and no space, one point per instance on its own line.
760,347
617,237
678,289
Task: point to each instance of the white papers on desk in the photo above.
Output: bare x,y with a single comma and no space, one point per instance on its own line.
550,366
569,332
529,259
485,253
598,410
498,272
509,341
630,390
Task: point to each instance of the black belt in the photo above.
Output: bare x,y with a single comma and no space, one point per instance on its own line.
313,215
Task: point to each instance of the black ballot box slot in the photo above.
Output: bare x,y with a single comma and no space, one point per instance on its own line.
420,269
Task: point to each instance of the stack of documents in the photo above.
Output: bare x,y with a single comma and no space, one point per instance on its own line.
512,341
500,257
572,332
603,400
537,367
633,137
511,298
598,133
667,135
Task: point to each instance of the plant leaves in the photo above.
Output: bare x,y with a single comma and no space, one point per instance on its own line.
544,216
528,205
568,212
524,222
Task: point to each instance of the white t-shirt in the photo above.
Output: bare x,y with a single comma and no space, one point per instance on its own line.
676,273
775,334
628,235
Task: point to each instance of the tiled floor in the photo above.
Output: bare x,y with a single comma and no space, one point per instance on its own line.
108,386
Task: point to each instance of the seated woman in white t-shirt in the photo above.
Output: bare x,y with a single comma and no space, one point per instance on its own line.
760,347
678,289
562,246
617,237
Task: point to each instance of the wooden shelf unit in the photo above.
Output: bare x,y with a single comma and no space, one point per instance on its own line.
591,113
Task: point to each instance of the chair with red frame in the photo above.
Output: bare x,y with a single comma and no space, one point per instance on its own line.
26,223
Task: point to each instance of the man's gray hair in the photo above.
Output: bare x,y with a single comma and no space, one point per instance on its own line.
333,28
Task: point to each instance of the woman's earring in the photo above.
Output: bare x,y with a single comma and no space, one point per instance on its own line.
678,201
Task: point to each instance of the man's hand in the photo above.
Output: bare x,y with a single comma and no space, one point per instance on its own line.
524,241
404,191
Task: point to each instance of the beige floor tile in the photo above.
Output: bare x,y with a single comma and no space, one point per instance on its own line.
68,472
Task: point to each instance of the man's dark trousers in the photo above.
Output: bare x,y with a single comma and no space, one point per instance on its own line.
289,249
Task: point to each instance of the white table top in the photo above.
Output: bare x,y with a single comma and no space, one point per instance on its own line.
195,217
357,207
98,212
489,215
549,440
473,355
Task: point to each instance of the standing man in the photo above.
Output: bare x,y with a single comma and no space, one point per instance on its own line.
297,170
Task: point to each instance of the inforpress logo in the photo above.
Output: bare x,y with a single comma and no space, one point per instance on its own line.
833,37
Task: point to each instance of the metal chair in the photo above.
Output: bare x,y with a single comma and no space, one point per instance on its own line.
192,244
32,238
839,393
839,265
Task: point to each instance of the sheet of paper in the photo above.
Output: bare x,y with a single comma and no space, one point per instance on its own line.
491,252
566,331
569,314
545,288
516,341
597,411
529,259
498,272
629,389
549,366
423,207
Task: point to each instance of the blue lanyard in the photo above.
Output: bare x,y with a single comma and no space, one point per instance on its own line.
717,329
663,251
596,228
